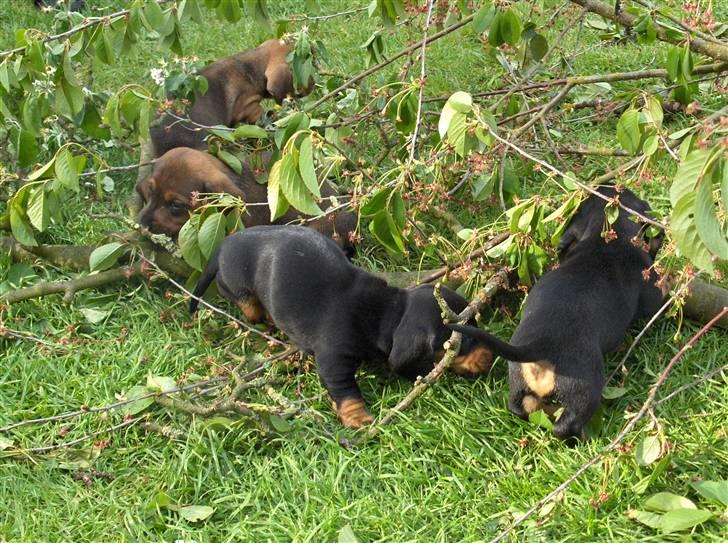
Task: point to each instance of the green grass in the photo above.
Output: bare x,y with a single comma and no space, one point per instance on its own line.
455,467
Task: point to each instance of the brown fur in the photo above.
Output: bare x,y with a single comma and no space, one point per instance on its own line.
236,86
168,195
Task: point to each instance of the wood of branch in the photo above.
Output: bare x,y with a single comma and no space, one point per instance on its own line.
714,49
494,284
70,287
704,300
617,440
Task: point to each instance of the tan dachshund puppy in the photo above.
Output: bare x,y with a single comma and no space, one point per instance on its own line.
236,86
167,195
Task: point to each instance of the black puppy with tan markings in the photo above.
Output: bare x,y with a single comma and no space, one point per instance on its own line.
335,310
577,313
236,86
168,195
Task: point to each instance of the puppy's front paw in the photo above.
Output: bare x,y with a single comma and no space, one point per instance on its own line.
353,413
477,361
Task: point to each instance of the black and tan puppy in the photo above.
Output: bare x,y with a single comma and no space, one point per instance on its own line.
236,85
577,313
167,195
334,310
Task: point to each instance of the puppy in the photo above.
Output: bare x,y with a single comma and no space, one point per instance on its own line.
236,86
167,195
577,313
334,310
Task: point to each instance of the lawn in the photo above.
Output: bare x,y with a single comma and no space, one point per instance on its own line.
455,467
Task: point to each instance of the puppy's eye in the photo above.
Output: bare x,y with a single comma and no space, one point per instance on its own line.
177,208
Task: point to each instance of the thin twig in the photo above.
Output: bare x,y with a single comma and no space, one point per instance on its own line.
617,440
298,18
7,332
707,377
423,81
67,444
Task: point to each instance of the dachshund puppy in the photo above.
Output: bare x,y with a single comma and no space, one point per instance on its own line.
236,86
334,310
577,313
168,195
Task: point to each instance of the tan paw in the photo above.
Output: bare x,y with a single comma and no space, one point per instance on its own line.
477,361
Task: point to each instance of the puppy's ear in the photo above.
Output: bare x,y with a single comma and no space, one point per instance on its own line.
279,81
229,183
410,349
145,187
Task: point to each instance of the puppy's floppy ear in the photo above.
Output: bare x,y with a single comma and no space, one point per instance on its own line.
279,81
145,187
410,347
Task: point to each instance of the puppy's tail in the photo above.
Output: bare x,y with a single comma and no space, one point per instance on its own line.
207,277
525,353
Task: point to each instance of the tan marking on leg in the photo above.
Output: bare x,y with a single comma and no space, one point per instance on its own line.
252,309
353,413
477,361
540,377
531,404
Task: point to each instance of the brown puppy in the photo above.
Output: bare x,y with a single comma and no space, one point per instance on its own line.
236,86
168,199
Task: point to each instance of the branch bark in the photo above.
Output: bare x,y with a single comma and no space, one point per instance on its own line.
713,49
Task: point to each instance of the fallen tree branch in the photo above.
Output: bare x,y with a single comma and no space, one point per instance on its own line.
70,287
452,347
617,440
714,49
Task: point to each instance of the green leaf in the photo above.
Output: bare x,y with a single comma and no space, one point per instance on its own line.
645,517
277,203
346,535
5,443
672,63
230,10
484,17
161,383
653,107
102,258
306,167
539,418
280,424
456,132
686,63
212,232
611,393
249,131
27,147
32,115
231,160
714,491
650,145
195,513
510,27
152,17
376,203
667,501
187,239
66,172
685,233
648,450
37,209
706,221
20,227
538,46
461,101
294,188
628,130
94,316
385,230
73,95
104,48
689,174
139,405
494,35
682,519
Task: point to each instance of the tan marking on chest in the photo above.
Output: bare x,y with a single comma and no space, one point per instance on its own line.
540,377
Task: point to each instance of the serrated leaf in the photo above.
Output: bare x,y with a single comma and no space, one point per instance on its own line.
484,17
293,187
277,203
628,130
689,174
195,513
667,501
189,247
510,27
161,383
672,63
20,227
645,517
611,393
306,167
685,233
139,405
37,210
66,172
682,519
211,233
653,108
539,418
347,535
650,145
461,101
648,450
706,221
102,258
456,132
714,491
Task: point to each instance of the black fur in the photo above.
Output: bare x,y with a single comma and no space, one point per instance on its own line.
329,307
580,311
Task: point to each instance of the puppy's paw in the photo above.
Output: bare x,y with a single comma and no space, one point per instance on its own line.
353,413
477,361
